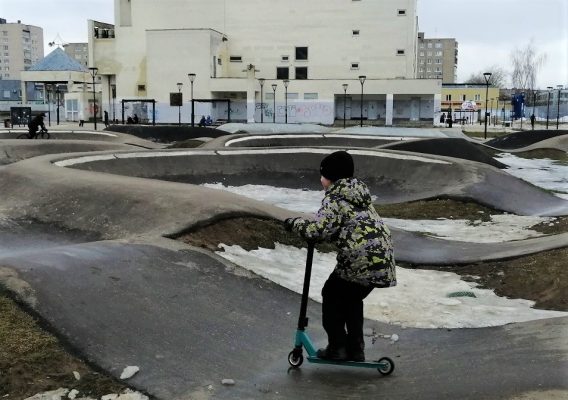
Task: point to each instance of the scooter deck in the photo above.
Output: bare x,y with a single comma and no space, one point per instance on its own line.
359,364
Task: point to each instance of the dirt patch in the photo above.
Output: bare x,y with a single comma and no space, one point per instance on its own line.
551,154
437,208
32,360
541,277
559,225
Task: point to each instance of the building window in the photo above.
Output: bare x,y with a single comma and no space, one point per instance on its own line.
421,54
438,45
429,45
438,61
401,12
301,72
282,73
400,52
355,65
421,61
429,54
439,53
285,58
310,96
429,61
448,97
236,59
421,69
477,97
355,32
6,94
302,53
421,45
141,88
438,69
428,69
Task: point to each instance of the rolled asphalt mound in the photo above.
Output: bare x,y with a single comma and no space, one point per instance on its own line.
523,139
167,133
449,147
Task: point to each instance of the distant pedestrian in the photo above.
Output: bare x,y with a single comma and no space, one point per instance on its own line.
443,118
202,121
135,119
81,118
106,118
533,119
449,120
208,121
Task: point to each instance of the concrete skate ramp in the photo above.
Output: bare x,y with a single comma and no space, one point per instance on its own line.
267,128
16,150
523,139
167,133
392,176
449,147
302,140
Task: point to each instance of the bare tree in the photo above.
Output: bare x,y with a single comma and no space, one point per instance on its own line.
526,64
498,77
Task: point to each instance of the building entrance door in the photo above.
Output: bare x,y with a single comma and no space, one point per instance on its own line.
415,109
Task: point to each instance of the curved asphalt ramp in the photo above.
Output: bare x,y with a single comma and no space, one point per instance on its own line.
392,176
166,133
300,140
17,150
449,147
523,139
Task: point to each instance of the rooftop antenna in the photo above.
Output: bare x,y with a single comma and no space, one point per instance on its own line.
58,41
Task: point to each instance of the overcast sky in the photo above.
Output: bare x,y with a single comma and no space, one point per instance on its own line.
487,30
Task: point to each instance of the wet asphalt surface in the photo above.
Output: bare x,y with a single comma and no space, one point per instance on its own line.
189,321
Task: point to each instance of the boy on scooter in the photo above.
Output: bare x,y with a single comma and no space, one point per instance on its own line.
365,258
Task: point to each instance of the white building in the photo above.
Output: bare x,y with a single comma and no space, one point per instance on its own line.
318,45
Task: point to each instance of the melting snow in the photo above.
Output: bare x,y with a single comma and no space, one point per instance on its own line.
420,300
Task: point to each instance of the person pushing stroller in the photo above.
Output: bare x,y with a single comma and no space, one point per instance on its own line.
365,257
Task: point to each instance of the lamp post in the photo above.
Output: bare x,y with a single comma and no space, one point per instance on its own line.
286,83
261,81
491,112
362,79
487,76
191,79
345,85
549,88
274,85
179,85
57,91
534,103
47,90
93,71
522,108
559,87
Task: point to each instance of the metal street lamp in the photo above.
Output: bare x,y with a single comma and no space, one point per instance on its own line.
559,87
57,91
491,112
179,85
362,79
47,90
191,79
345,85
93,71
487,76
261,81
274,85
549,88
286,83
522,108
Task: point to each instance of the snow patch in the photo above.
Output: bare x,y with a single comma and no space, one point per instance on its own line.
419,300
129,372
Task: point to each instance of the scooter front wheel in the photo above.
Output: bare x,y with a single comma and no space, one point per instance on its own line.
294,359
386,366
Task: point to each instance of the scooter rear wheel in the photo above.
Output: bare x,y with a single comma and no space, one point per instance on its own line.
295,360
386,367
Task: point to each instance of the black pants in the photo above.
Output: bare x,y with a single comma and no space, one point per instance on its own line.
343,308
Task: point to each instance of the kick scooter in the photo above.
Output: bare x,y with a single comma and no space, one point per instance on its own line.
385,365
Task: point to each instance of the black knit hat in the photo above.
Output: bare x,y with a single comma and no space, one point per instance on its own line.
337,165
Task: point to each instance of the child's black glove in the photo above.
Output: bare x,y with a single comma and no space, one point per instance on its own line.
289,224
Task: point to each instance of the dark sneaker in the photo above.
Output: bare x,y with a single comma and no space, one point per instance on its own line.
358,356
332,353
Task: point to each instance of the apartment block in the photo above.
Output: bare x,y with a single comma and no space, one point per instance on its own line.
78,52
437,58
21,46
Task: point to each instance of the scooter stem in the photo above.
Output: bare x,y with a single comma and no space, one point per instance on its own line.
302,320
